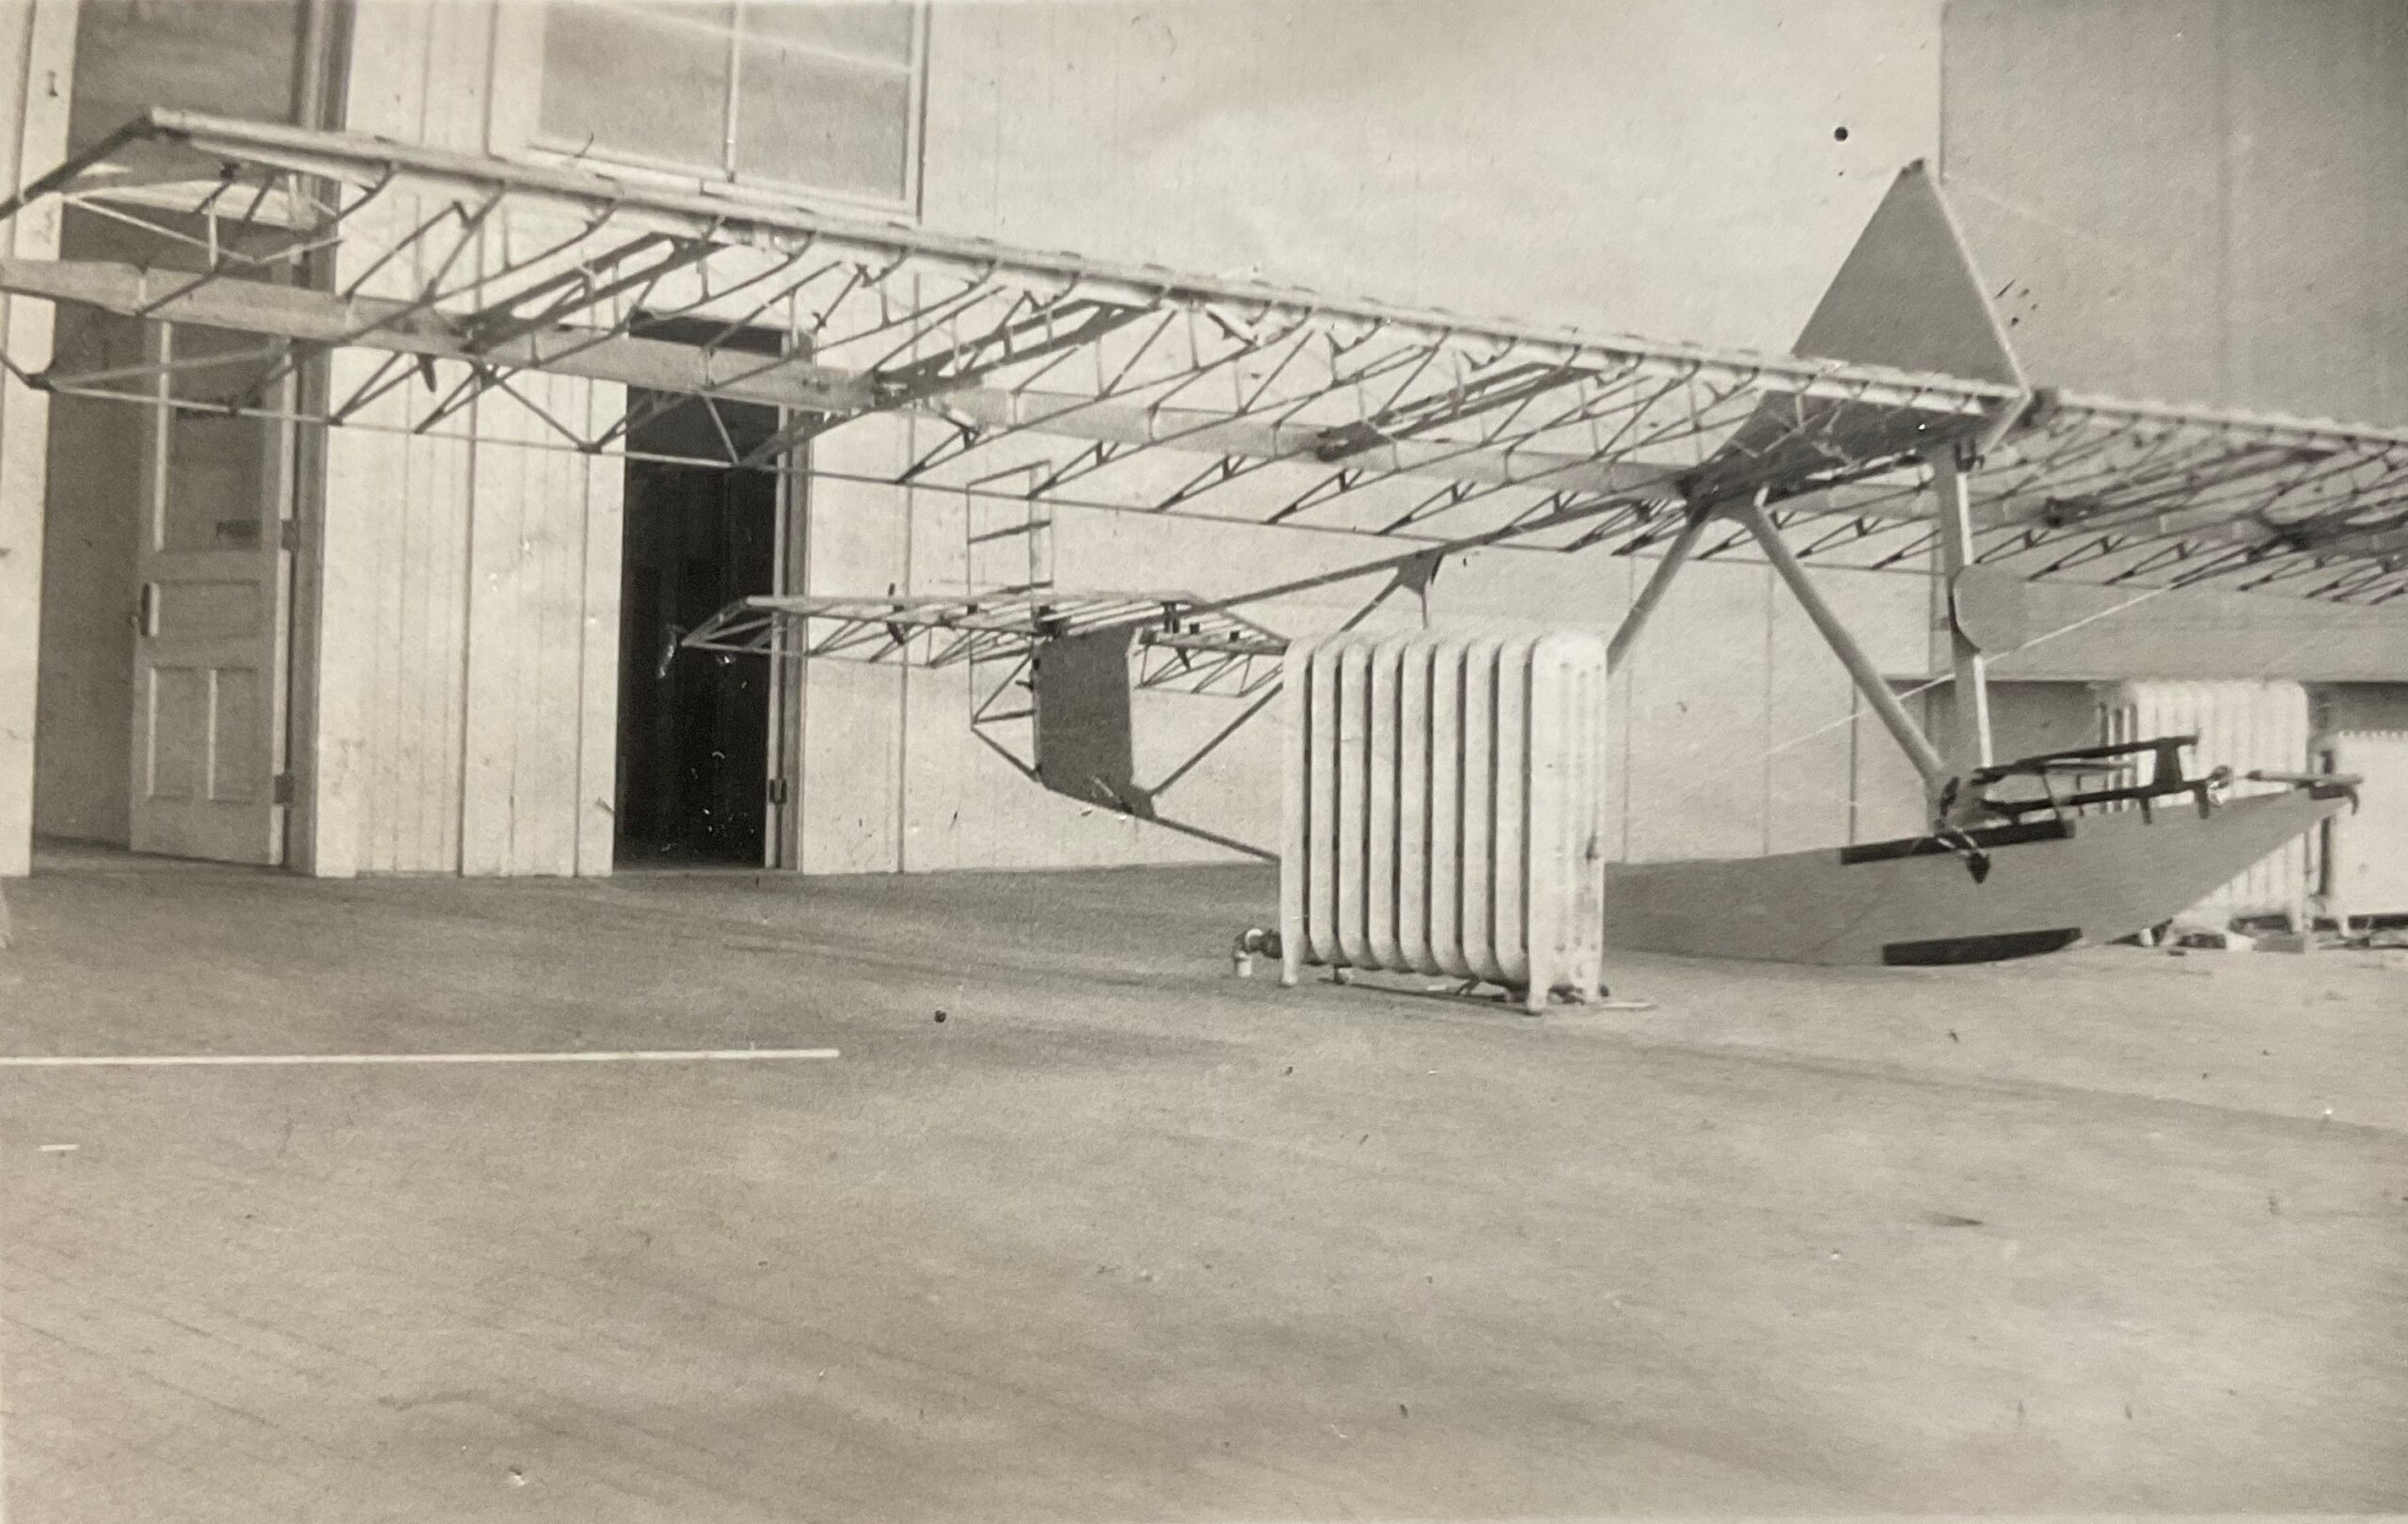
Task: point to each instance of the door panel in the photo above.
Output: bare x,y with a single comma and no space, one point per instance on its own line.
209,674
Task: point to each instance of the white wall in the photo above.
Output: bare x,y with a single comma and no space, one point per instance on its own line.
1657,167
466,661
2198,200
2194,199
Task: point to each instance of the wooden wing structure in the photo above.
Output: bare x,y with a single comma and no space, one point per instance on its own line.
1139,391
1902,433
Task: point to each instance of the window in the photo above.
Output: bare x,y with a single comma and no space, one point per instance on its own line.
234,57
820,97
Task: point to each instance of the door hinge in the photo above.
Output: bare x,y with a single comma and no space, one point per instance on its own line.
288,534
282,792
777,790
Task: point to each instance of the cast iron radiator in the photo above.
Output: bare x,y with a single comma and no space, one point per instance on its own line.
1445,808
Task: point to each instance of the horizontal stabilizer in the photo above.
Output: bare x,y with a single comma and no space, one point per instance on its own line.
1179,641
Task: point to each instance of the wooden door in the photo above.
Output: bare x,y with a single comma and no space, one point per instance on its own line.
213,569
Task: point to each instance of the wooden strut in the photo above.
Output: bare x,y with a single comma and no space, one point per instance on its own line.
1869,681
1676,556
1971,742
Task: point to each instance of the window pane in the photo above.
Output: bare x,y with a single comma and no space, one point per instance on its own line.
649,80
87,341
217,466
815,120
879,31
234,57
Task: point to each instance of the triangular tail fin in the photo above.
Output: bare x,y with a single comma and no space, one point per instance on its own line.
1909,297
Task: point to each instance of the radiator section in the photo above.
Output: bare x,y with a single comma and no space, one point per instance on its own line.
2366,850
2244,726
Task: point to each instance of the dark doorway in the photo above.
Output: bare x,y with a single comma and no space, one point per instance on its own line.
693,731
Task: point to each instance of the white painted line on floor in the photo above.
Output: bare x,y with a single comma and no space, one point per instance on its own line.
665,1056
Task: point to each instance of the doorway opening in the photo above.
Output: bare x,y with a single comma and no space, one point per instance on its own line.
697,752
163,657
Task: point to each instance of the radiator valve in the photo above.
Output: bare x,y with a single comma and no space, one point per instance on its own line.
1253,940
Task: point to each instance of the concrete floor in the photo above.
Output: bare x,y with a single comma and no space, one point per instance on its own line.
1124,1238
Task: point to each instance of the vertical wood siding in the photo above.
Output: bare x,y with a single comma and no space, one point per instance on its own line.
468,655
37,53
542,673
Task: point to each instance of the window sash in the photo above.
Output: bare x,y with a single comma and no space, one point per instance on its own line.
761,48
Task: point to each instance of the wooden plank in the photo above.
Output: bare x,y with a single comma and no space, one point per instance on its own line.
408,528
331,842
398,694
550,728
490,696
505,495
381,546
852,740
24,432
39,42
449,465
369,489
597,713
512,477
420,531
392,621
307,600
447,107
